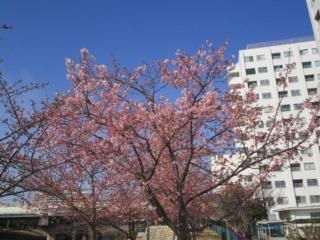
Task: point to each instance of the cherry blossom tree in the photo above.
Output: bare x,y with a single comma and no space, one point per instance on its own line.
174,129
21,126
84,181
169,144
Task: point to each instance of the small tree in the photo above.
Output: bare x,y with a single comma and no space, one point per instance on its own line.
21,126
21,123
238,207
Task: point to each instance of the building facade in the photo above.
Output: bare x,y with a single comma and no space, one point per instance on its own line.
314,13
292,192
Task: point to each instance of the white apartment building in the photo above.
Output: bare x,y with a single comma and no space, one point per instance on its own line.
295,190
314,13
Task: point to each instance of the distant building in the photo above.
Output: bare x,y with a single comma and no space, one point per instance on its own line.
292,192
314,13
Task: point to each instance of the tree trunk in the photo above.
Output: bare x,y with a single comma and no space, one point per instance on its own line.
182,230
74,235
92,235
131,231
183,233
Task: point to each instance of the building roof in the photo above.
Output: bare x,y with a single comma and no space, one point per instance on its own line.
17,212
280,42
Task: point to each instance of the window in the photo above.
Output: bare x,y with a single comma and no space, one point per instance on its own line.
315,50
281,81
261,57
262,69
314,198
293,79
267,185
303,135
250,71
288,53
317,16
269,123
269,201
295,167
309,166
303,52
276,55
297,183
295,92
278,68
315,215
234,74
301,199
264,82
291,65
268,109
262,154
248,178
266,95
248,59
312,182
306,64
263,168
243,149
283,94
312,91
317,63
252,84
277,168
260,124
315,105
306,151
282,200
309,77
280,184
297,106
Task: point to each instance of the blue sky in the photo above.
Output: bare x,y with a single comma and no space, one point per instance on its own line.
46,32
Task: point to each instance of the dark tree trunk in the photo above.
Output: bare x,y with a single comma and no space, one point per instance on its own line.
182,229
183,233
92,235
131,232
